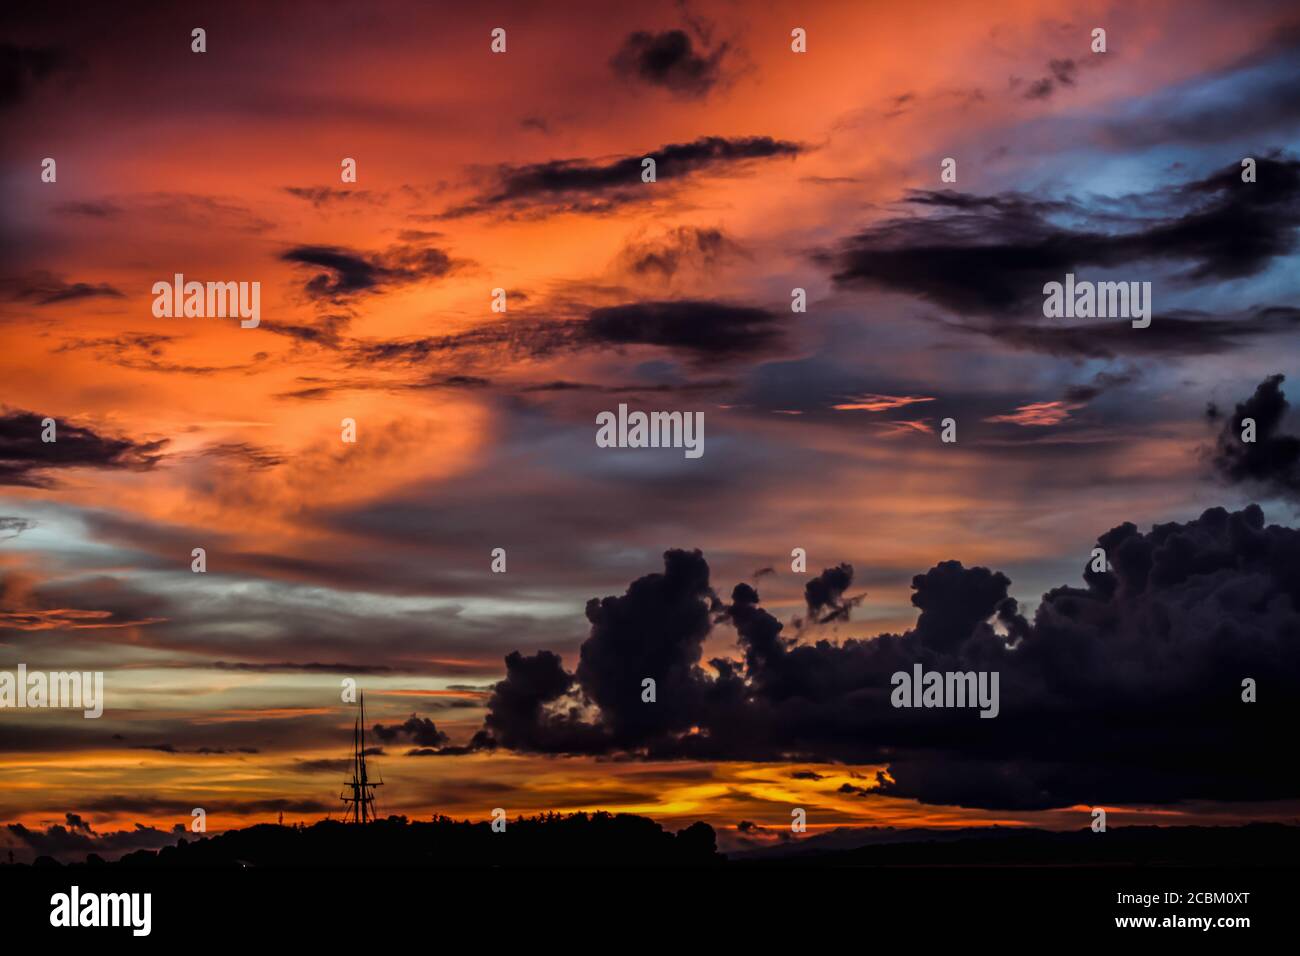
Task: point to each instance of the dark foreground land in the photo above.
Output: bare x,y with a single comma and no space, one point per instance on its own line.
622,877
626,840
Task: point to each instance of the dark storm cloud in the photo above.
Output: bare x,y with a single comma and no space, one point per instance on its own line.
26,460
673,160
699,329
588,185
1174,333
1126,690
655,630
44,288
702,328
955,601
516,718
1271,462
348,273
992,254
1235,229
824,595
418,730
668,60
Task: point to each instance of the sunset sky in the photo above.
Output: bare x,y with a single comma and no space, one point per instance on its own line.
475,429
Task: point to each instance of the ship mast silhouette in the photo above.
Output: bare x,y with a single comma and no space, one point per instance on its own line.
360,801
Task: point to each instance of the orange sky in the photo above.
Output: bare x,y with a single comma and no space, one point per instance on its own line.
328,560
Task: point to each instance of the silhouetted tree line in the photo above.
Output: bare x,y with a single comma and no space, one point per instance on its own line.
546,840
605,839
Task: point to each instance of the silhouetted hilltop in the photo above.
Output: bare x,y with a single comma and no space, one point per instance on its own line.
600,839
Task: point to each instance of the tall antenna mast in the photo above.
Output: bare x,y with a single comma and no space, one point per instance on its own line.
360,802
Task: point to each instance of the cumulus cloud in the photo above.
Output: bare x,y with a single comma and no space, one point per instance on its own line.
824,595
1272,461
418,730
1124,690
